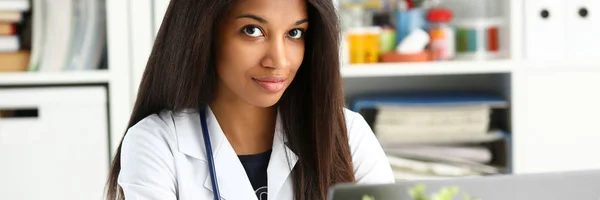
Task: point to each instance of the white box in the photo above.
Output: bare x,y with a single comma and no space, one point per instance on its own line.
583,29
61,154
545,32
557,121
562,30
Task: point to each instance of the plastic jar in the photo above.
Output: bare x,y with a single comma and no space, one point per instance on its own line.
442,34
364,44
480,28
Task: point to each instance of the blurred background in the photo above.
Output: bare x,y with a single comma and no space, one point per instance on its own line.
452,88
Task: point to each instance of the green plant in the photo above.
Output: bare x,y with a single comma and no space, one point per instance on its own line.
367,197
446,193
418,193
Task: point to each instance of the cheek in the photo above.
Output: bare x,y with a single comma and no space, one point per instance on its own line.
235,59
296,55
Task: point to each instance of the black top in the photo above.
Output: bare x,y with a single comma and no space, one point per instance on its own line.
256,169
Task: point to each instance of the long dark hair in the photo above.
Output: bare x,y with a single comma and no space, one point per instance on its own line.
180,75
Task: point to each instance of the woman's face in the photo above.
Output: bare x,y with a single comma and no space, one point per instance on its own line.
260,47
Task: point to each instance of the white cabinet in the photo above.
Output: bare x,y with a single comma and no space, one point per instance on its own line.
556,120
583,29
562,30
60,151
544,29
555,112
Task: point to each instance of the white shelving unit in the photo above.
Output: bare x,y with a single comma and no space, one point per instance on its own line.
57,78
541,92
461,68
80,117
117,78
544,131
426,68
552,101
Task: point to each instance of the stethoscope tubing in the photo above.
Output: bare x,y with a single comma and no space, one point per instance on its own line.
209,155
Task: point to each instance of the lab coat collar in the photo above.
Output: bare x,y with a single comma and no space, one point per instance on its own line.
230,172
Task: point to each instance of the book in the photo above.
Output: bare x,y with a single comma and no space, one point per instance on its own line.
448,119
392,138
7,29
14,5
89,32
37,34
8,16
68,35
478,154
14,61
58,34
9,43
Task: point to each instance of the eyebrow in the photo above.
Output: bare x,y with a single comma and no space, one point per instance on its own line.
254,17
264,21
301,21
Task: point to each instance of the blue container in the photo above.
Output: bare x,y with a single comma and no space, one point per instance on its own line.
408,20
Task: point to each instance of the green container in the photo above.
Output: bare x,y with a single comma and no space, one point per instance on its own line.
387,40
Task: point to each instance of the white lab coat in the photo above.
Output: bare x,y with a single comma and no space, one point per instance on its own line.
163,158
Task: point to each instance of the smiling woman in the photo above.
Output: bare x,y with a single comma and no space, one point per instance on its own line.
260,48
243,100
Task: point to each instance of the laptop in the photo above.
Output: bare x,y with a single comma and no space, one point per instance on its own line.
572,185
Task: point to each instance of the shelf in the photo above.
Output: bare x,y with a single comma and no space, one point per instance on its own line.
48,78
426,68
574,66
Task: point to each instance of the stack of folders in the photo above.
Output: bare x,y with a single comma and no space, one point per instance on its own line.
15,42
61,35
432,136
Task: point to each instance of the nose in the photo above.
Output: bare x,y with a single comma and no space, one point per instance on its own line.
277,55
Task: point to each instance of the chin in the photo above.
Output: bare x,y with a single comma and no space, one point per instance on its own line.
265,101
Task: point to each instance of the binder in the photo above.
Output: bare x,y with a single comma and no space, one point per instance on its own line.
428,98
58,34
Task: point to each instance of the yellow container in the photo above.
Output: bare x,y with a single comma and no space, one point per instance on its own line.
364,44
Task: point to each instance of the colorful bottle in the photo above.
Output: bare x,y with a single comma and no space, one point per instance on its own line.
364,44
442,34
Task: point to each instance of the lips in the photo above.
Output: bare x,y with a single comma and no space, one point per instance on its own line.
270,84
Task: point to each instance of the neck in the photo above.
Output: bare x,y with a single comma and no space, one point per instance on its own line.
249,129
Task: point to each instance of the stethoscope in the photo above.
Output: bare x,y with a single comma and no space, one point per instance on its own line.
209,155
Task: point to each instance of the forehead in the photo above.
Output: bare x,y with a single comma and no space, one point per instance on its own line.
271,10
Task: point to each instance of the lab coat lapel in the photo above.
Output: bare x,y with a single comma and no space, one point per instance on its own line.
281,163
231,176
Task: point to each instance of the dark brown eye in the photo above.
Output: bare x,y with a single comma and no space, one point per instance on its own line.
295,33
252,31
